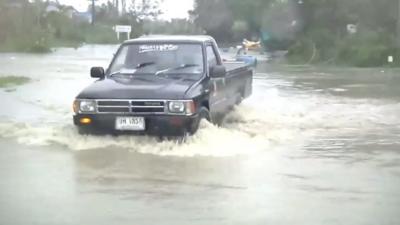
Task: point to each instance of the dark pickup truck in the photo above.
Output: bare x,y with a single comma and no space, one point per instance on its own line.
162,85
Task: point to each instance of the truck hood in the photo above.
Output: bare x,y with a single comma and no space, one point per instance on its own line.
139,87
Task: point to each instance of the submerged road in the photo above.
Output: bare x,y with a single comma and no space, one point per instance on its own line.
311,146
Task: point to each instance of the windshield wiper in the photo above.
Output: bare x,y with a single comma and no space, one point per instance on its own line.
138,66
141,65
183,66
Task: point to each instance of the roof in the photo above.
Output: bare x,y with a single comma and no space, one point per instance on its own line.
172,38
71,8
52,8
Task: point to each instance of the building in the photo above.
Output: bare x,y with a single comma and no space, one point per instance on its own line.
70,11
52,7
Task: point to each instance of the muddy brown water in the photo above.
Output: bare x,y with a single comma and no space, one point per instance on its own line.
311,146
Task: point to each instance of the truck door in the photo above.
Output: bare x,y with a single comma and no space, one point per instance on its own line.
217,85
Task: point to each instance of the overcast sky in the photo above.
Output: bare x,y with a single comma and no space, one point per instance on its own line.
170,8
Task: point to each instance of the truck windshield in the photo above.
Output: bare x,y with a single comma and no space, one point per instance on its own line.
156,59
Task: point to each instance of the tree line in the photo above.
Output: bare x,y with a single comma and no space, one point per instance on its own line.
356,32
39,25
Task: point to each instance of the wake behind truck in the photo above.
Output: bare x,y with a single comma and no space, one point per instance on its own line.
162,85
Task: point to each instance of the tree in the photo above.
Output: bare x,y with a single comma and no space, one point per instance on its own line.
215,17
107,13
219,17
325,23
144,9
251,11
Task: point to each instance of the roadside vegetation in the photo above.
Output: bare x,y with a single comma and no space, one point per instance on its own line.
362,33
11,81
38,26
27,27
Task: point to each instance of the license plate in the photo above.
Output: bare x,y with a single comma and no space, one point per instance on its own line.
130,123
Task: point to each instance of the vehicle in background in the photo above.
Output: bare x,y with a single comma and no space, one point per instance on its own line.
251,45
242,56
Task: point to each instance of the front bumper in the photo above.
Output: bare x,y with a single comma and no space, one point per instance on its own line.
160,125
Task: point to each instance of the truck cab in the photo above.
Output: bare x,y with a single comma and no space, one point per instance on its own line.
161,85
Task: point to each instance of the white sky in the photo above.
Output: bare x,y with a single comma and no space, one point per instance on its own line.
170,8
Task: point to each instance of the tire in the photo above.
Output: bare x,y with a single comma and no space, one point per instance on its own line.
204,114
83,131
240,98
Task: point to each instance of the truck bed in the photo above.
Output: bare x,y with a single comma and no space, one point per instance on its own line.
235,67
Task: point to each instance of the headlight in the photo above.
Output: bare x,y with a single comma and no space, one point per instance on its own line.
87,106
176,107
184,107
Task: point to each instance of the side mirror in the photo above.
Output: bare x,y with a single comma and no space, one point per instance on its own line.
97,72
217,71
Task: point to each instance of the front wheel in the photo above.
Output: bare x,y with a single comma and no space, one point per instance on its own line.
204,114
83,130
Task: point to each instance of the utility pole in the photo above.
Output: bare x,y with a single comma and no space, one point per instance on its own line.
398,25
117,6
123,3
93,12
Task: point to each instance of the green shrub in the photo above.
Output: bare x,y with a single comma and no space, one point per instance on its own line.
34,42
99,34
364,49
367,49
9,81
301,51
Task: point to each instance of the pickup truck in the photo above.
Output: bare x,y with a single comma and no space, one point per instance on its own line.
162,86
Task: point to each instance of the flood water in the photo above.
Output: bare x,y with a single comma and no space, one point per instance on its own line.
311,146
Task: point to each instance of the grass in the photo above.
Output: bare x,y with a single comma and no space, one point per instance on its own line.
43,41
24,46
10,81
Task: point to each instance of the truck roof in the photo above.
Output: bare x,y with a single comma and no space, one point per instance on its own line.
171,38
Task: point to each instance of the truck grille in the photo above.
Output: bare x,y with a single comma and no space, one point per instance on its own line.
130,106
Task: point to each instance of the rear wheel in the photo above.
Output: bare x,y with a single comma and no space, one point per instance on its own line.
204,114
239,98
